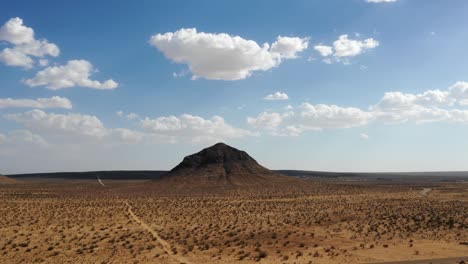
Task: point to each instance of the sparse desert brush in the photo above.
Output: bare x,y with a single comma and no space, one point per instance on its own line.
220,225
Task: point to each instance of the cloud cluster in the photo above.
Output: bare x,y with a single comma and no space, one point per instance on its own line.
61,124
345,47
193,128
429,106
75,127
24,45
308,117
130,116
222,56
287,47
74,73
41,103
276,96
26,51
21,137
393,108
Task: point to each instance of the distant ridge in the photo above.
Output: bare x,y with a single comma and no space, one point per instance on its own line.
91,175
222,165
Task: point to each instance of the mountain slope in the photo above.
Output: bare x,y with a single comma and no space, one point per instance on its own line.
221,165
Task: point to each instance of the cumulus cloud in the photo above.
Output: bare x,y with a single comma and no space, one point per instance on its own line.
459,92
77,127
393,108
429,106
22,137
74,127
288,48
276,96
74,73
344,47
24,45
194,128
222,56
42,103
15,32
77,124
324,50
130,116
309,117
267,120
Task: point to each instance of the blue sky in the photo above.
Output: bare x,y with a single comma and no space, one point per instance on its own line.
315,85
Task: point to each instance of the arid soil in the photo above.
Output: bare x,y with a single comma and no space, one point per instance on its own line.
106,221
6,180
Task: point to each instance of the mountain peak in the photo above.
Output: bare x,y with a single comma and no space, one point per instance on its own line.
219,153
220,165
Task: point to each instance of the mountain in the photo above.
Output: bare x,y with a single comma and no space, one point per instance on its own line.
222,165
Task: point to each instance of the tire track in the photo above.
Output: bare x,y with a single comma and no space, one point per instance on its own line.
99,180
165,245
424,192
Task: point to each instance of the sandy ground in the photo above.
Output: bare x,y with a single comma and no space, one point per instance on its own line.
105,222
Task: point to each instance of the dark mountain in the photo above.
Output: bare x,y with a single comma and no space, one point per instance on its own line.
222,165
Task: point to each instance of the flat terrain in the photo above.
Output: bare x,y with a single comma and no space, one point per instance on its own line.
115,221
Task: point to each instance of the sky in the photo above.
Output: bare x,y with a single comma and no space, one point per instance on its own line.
336,85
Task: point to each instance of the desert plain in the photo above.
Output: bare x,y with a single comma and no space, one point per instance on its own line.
60,221
298,220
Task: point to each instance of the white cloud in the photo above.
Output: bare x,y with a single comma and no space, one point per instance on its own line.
288,48
364,136
276,96
130,116
22,137
12,57
15,32
393,108
381,1
127,135
459,92
324,50
398,100
429,106
266,120
310,117
76,124
43,62
192,127
75,127
343,48
222,56
328,61
74,73
42,103
25,46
